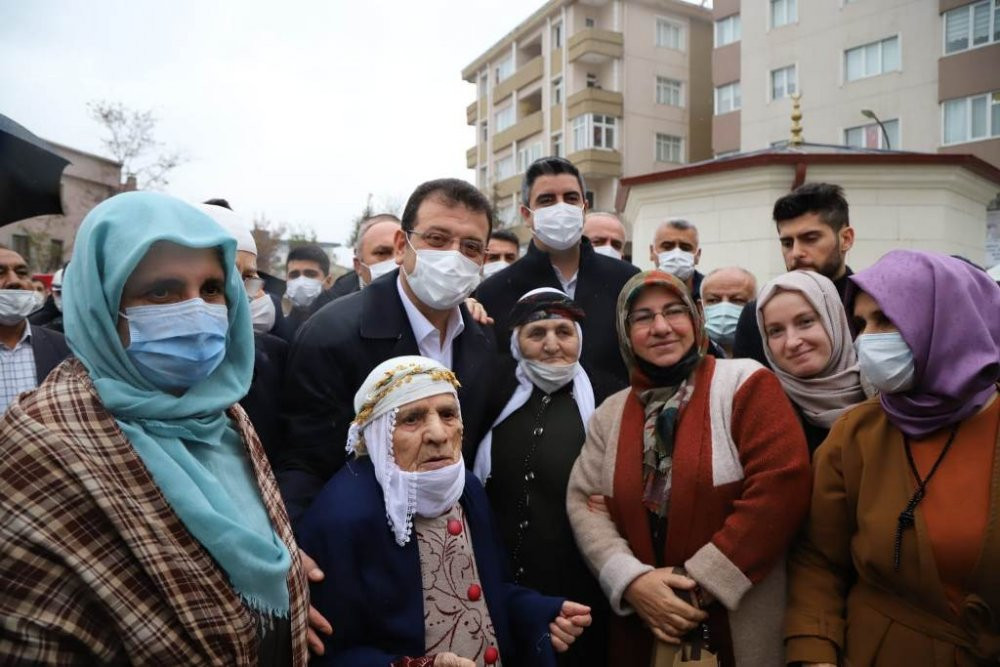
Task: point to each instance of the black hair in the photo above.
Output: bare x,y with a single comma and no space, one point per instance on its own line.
310,252
548,166
506,235
451,191
824,199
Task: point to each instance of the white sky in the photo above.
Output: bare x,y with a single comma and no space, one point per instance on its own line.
296,110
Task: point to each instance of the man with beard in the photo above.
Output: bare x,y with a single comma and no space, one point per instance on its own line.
815,233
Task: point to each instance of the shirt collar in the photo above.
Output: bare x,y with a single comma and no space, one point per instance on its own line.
422,327
25,336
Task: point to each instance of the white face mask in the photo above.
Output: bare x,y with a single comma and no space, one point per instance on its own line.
676,262
303,291
379,269
559,226
442,279
438,490
608,251
15,305
549,377
39,300
720,321
489,268
886,360
262,313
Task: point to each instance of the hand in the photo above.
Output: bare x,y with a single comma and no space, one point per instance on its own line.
653,598
477,311
597,504
452,660
569,624
317,623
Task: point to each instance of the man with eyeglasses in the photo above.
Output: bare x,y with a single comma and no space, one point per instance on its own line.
559,256
417,309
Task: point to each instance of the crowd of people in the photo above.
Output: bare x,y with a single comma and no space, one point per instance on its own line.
456,455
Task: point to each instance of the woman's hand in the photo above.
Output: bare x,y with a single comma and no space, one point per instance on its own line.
478,313
569,624
452,660
598,505
317,623
653,597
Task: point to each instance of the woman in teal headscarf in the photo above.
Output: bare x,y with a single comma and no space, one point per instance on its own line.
139,520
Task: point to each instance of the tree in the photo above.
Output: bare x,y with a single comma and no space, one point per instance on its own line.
131,141
387,205
267,235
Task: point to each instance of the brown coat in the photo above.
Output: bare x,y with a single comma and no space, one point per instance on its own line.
845,600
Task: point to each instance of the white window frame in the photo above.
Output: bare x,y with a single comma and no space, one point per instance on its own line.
992,99
557,90
557,36
791,17
784,71
505,214
586,125
881,137
863,48
503,174
557,145
527,155
662,140
681,33
736,95
500,127
504,69
735,29
481,177
664,84
993,29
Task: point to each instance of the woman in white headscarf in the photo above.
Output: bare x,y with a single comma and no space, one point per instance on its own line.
526,457
443,598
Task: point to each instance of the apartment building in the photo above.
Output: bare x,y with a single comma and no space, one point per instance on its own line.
929,70
619,87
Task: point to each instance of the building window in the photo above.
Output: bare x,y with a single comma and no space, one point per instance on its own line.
784,82
727,98
21,244
504,68
669,148
557,145
668,91
592,80
589,22
971,118
727,30
504,168
504,118
483,82
594,131
557,36
505,214
872,59
527,155
784,12
669,35
972,25
557,90
481,181
483,131
870,136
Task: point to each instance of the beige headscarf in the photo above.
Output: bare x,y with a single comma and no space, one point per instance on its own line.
837,387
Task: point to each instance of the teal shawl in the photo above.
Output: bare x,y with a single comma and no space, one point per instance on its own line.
187,442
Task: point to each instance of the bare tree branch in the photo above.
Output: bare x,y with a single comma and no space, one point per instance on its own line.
131,141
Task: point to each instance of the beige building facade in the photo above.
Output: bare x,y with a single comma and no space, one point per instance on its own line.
929,70
619,87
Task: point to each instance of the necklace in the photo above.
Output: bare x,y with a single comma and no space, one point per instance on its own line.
906,517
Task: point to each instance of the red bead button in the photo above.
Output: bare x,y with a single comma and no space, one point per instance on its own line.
454,527
475,592
491,656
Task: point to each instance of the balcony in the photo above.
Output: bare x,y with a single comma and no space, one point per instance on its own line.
508,186
593,45
470,157
596,162
527,73
595,100
472,113
527,126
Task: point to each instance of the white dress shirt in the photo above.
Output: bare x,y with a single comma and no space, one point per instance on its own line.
427,336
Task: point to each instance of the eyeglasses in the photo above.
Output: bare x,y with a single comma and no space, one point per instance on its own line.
675,313
471,248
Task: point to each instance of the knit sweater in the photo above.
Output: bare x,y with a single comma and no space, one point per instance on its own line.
740,490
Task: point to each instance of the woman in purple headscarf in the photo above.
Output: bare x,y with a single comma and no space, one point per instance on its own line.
899,562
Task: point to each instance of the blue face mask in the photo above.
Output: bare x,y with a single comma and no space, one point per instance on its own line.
176,346
721,320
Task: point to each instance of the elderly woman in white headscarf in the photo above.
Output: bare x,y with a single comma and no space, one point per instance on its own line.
431,588
526,458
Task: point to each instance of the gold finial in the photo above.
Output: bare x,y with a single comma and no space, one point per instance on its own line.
796,117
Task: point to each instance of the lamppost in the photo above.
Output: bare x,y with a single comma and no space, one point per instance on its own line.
868,113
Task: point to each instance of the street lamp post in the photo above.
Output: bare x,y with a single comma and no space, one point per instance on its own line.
868,113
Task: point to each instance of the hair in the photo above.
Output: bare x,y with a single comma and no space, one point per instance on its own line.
452,192
824,199
748,274
310,253
218,201
681,224
367,224
548,166
506,235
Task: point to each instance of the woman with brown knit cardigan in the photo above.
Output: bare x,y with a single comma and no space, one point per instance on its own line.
704,470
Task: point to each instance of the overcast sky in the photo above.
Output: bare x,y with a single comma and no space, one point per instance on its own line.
296,111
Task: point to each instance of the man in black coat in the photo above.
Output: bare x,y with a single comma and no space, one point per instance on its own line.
815,234
552,205
374,256
417,309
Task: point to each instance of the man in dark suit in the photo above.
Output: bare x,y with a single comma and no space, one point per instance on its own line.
27,353
552,206
416,309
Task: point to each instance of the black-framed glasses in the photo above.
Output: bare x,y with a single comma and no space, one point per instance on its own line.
675,313
471,248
